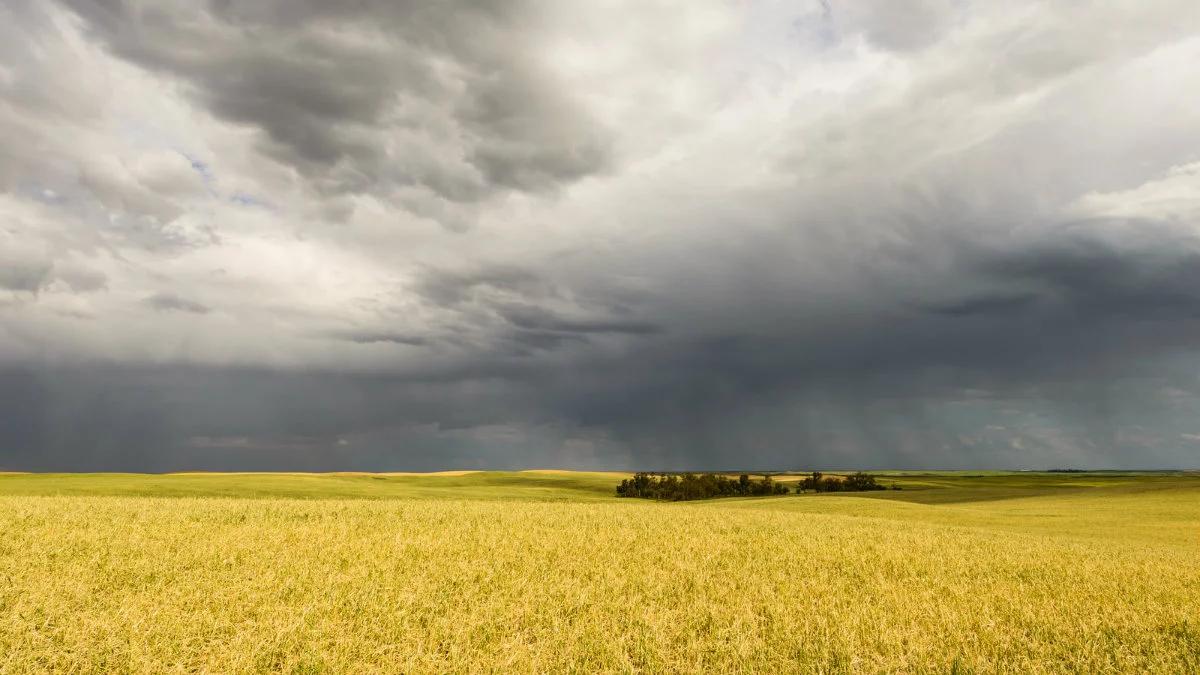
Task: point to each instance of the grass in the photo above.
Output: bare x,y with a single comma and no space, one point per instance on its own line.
490,485
546,572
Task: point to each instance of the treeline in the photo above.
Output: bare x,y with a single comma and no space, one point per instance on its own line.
682,487
688,486
855,482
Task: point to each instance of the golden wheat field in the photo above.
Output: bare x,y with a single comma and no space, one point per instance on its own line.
547,573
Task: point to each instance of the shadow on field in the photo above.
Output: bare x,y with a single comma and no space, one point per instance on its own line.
957,488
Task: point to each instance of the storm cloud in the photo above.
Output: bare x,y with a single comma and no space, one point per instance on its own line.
393,235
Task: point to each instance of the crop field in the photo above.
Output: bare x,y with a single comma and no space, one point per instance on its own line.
549,572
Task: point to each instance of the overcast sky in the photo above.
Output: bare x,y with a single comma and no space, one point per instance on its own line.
391,235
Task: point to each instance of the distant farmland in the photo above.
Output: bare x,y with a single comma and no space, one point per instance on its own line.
550,571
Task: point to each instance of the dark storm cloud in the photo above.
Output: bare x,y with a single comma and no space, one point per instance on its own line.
372,96
1078,279
1067,327
985,305
522,312
174,418
938,235
370,337
524,343
903,382
533,318
452,287
1153,273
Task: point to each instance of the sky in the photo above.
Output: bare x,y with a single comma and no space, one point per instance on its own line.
623,234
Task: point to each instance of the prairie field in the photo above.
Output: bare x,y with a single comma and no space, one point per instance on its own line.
548,572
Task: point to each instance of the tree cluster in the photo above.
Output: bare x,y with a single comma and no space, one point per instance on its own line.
855,482
686,486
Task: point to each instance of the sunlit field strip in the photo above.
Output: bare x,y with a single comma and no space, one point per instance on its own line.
104,584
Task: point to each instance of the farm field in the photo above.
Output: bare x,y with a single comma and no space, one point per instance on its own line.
549,572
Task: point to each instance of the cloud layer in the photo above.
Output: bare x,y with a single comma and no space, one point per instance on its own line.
392,235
